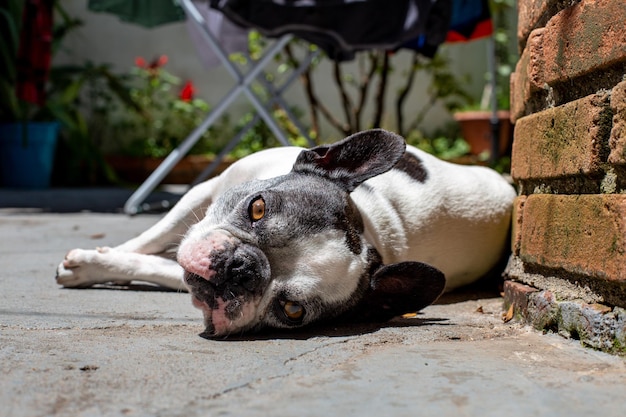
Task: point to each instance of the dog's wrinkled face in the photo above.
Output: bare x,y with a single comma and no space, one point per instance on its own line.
289,251
280,253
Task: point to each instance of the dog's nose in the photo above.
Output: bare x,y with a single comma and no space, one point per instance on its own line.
226,262
241,272
247,267
195,258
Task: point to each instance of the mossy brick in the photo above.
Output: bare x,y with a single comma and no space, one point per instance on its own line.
595,325
618,132
533,14
580,234
581,49
570,139
587,37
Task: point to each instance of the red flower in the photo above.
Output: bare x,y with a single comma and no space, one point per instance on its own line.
158,62
140,62
186,94
155,64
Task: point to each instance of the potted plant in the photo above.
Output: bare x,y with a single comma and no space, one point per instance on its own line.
481,123
28,132
478,129
26,158
164,112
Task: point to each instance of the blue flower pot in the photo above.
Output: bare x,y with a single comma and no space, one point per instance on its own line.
26,157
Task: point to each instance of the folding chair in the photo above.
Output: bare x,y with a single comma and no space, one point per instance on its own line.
243,86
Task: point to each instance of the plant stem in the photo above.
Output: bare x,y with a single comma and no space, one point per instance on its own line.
380,94
404,93
345,98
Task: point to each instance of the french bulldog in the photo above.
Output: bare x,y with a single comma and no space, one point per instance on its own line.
366,228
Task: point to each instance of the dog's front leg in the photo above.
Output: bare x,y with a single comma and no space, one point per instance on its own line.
148,257
167,233
84,268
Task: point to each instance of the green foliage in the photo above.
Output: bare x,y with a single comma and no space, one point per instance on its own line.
260,137
444,146
445,87
162,118
58,90
65,94
10,20
503,15
363,87
79,97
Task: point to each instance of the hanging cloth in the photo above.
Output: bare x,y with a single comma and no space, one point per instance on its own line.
339,27
35,51
468,20
436,30
471,19
147,13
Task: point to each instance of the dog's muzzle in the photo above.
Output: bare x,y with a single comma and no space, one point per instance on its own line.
226,278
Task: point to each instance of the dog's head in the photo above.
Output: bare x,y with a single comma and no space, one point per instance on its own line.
288,251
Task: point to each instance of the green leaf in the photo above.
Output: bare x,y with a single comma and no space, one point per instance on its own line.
72,91
9,45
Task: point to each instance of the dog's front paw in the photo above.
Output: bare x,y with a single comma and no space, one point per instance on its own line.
82,268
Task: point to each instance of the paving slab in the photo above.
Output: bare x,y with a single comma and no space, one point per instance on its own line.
115,351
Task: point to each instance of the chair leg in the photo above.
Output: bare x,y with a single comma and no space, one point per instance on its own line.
242,86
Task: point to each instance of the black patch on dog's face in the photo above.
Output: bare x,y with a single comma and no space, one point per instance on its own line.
296,207
324,310
413,167
352,224
333,310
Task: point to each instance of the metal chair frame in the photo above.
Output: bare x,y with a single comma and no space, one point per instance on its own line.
243,85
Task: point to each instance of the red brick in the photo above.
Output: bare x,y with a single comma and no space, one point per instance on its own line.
596,325
518,294
589,36
524,80
516,232
586,41
529,15
582,234
618,132
532,14
565,140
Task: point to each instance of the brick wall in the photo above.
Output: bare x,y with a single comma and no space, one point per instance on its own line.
568,102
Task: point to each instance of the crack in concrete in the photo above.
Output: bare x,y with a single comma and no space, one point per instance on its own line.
245,385
308,352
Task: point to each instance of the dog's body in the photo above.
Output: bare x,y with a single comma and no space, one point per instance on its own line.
289,236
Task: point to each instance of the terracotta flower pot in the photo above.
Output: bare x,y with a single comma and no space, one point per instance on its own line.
476,130
135,169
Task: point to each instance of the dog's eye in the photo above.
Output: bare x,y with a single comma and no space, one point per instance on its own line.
257,209
293,311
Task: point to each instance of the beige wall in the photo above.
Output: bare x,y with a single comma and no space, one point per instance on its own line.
106,39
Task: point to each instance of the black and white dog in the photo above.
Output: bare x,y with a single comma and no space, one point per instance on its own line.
366,227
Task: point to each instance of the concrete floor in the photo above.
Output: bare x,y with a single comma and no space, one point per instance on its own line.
136,352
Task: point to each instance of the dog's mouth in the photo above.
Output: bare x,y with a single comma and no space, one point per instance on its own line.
227,308
227,279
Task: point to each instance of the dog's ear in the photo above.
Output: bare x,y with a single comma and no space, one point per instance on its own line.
354,159
397,289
